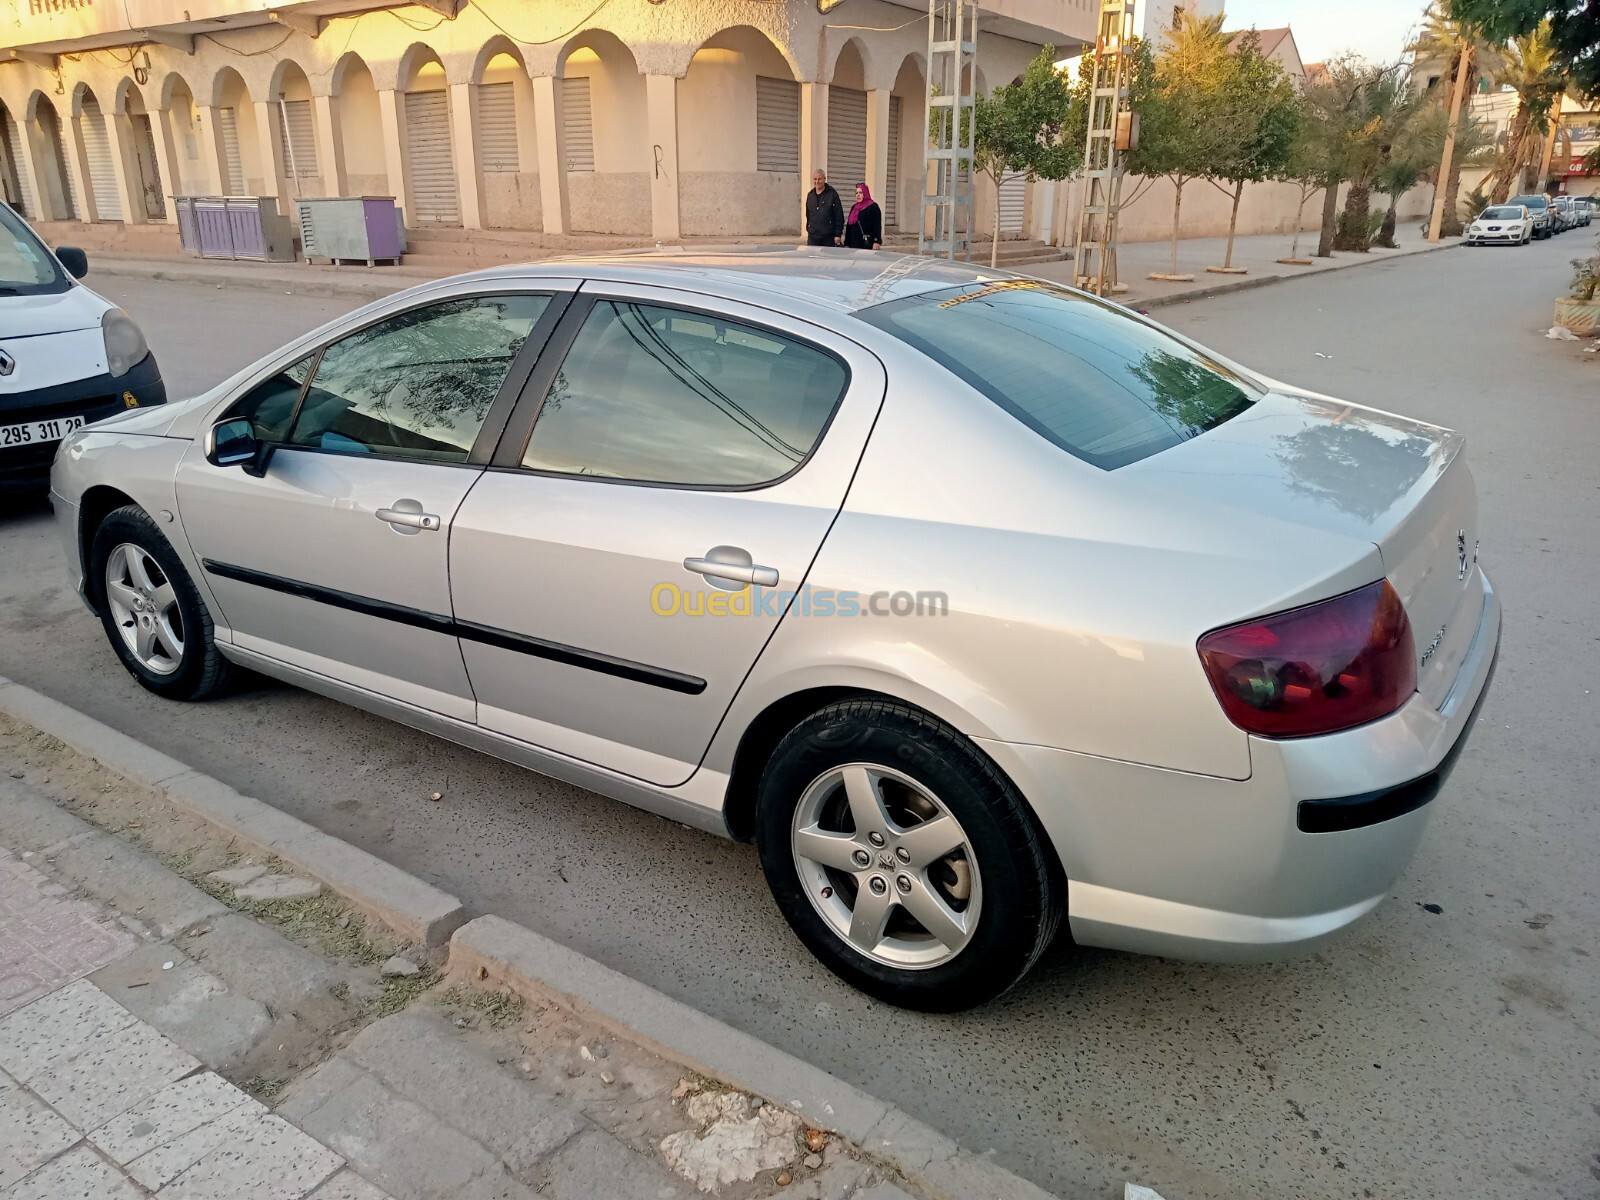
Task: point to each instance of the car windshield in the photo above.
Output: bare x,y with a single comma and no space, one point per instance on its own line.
1097,382
1501,214
26,267
1531,201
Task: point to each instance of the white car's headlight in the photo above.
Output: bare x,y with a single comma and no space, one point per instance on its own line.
125,344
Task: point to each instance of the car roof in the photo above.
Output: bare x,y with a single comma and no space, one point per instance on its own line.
837,281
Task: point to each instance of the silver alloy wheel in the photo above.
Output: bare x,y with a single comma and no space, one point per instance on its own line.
887,866
144,606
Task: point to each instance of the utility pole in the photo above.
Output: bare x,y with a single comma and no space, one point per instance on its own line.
947,211
1112,130
1443,184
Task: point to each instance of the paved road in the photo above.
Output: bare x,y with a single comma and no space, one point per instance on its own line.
1450,1054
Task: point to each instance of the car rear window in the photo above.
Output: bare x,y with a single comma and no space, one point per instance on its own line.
1094,380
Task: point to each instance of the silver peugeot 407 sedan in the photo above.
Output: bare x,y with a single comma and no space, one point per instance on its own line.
974,601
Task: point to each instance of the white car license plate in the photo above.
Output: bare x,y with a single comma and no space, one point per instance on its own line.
31,433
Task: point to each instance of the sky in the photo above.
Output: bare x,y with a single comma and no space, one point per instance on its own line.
1375,29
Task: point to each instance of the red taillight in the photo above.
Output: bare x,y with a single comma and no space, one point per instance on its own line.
1327,666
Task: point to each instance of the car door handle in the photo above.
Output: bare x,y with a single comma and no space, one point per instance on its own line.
737,572
408,517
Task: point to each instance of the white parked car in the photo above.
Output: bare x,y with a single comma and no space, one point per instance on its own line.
1508,223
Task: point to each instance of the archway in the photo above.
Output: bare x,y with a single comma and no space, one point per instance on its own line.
99,159
908,141
238,143
604,135
11,160
507,150
847,121
144,152
182,119
360,129
739,127
428,146
57,191
293,126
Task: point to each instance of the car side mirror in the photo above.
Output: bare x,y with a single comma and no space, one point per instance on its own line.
74,260
232,442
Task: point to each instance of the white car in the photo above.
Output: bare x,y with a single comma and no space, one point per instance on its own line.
1508,223
67,355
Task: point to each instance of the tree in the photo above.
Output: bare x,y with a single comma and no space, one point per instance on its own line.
1406,166
1467,51
1528,66
1181,110
1574,32
1333,115
1380,111
1023,131
1474,144
1259,115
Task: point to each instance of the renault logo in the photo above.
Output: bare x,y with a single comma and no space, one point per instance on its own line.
7,363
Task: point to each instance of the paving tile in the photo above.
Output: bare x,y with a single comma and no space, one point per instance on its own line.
595,1164
30,1133
269,1160
347,1185
79,1174
57,1027
48,937
161,1165
112,1075
190,1006
175,1110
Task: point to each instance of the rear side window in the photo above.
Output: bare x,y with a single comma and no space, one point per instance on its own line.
1101,385
663,395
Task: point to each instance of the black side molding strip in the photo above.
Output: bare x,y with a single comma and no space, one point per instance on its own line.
1369,808
501,639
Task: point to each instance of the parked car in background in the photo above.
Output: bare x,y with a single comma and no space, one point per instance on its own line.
1562,209
979,604
1508,224
67,355
1544,221
1584,207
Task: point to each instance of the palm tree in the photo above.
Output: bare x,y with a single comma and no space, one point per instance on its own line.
1383,107
1458,46
1474,147
1529,67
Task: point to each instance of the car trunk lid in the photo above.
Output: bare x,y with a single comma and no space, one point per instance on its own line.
1344,469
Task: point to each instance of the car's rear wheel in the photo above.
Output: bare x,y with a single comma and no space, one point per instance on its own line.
153,615
903,858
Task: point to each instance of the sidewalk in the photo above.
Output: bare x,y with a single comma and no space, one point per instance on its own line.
186,1014
1256,254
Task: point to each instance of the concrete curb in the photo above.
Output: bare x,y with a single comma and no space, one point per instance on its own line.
415,910
534,966
312,283
491,952
1256,281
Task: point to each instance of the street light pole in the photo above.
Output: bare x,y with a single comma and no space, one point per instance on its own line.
1442,186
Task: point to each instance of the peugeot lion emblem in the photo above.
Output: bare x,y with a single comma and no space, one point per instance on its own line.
1461,554
7,363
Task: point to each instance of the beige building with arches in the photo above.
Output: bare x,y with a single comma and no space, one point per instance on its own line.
645,118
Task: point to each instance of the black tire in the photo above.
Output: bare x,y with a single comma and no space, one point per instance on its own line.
1022,891
201,672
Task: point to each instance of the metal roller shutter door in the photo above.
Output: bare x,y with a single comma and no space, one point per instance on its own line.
577,124
433,169
777,124
497,128
847,141
296,138
1013,199
891,198
102,170
232,163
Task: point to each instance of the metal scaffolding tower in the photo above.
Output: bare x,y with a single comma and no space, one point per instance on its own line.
1110,132
952,77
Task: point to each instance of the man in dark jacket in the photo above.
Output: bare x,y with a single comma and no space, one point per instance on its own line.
824,213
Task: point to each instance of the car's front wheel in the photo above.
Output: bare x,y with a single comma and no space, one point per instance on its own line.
153,615
903,858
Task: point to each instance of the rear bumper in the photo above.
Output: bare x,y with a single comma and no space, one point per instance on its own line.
1192,866
27,468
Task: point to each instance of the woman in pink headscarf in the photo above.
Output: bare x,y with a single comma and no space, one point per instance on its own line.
863,228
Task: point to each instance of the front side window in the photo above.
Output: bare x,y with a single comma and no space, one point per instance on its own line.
417,385
270,404
1081,373
26,267
660,395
